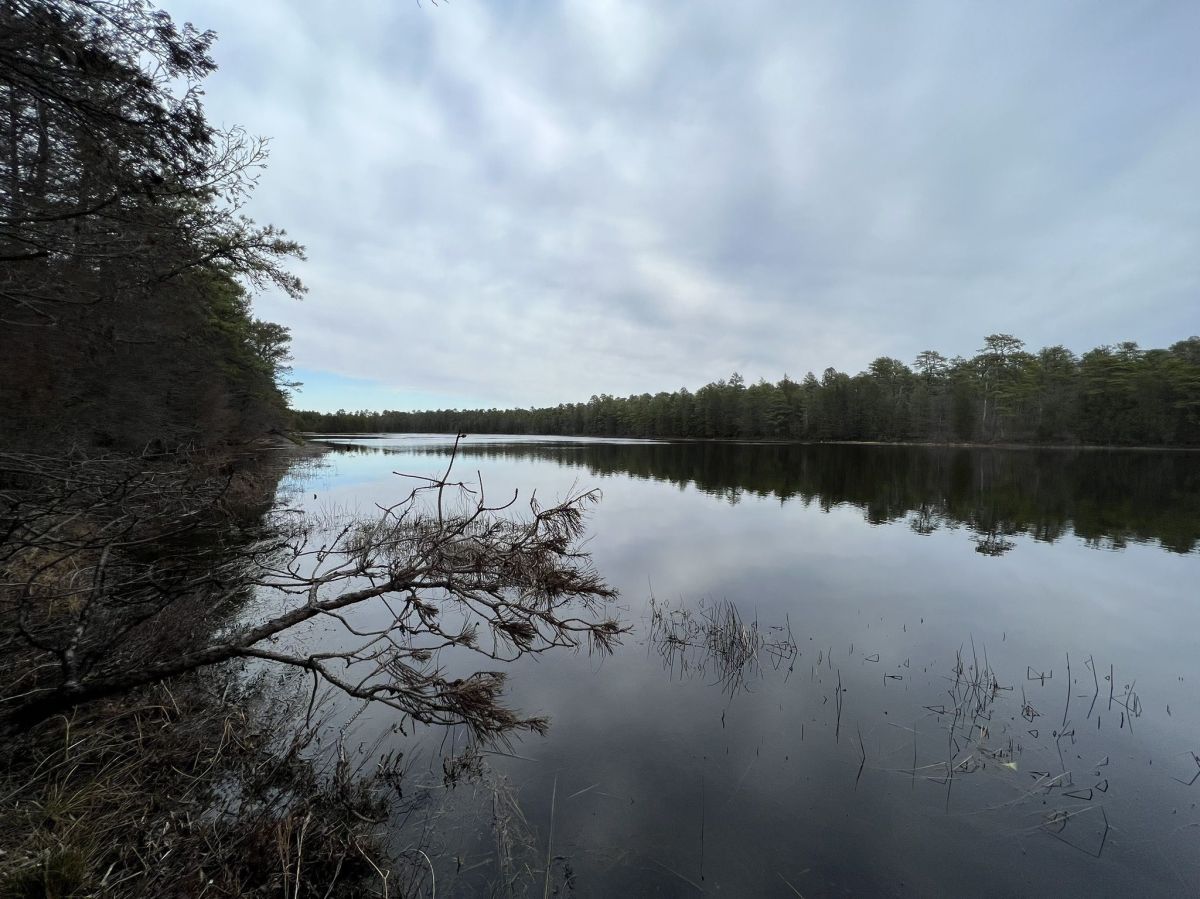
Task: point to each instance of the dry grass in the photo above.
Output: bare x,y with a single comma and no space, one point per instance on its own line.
186,791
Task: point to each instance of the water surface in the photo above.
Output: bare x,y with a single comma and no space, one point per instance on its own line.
953,672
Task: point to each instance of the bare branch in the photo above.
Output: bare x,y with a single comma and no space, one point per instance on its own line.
452,573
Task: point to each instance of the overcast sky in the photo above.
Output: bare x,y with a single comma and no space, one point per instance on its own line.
520,203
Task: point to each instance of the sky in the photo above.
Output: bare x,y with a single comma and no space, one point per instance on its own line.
525,203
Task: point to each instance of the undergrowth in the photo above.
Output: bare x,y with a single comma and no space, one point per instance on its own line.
187,791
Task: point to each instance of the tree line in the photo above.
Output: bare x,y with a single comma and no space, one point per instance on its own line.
126,264
1111,395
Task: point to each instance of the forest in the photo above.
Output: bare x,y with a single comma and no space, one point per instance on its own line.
1113,395
125,256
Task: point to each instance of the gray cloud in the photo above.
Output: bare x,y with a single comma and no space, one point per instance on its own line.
517,203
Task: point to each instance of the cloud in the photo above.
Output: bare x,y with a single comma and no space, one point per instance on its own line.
521,203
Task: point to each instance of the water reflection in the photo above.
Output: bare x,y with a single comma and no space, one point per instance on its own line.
1107,498
815,706
970,714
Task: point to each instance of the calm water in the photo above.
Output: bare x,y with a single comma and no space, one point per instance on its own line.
955,672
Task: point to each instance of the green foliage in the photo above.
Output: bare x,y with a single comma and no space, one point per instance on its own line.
1112,395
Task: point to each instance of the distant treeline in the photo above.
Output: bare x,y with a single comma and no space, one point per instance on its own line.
1121,395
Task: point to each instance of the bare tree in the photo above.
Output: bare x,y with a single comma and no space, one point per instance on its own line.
113,576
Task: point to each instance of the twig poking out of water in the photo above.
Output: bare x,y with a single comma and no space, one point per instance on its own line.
862,748
789,886
686,880
716,639
1195,777
512,832
837,696
1041,676
1055,823
1131,703
973,692
1067,707
432,875
1028,712
914,767
584,790
550,841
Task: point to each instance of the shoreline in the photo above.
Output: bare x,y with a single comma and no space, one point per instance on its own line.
1088,447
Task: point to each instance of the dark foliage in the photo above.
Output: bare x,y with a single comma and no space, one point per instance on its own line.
124,259
1119,395
1106,497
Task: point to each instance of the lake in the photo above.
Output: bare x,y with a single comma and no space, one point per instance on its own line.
859,670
